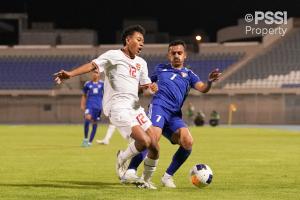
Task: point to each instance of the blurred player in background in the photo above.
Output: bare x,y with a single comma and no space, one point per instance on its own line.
174,82
91,104
190,114
124,73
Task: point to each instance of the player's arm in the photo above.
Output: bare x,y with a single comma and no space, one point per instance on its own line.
152,88
83,102
63,75
212,77
203,87
148,89
147,85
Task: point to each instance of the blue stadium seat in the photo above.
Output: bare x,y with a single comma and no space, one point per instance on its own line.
33,72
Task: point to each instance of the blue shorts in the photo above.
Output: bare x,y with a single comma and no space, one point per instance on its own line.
95,113
167,120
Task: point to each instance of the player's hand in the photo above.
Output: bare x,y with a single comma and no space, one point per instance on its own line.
60,76
214,75
153,87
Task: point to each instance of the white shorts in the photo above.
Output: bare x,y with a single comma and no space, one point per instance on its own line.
125,119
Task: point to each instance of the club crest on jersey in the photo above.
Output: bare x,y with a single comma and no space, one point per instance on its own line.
138,66
183,74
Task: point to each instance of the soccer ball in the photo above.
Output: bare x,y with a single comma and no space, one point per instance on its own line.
201,175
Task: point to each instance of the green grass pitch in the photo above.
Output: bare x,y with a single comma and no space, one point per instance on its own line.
47,162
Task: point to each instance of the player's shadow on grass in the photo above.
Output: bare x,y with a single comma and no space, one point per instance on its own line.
66,184
90,184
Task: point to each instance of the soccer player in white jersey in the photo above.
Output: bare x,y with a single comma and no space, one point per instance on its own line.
124,73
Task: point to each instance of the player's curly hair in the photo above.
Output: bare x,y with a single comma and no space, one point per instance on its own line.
130,30
177,42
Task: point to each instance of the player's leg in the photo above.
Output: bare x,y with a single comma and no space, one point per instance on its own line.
87,121
130,175
157,118
137,160
110,130
182,137
145,137
151,159
95,118
141,141
93,132
127,124
185,140
154,132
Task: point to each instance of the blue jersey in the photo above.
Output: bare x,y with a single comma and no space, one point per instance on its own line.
94,94
173,86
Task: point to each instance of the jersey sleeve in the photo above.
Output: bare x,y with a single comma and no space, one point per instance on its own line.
194,78
103,60
155,74
144,78
85,88
102,87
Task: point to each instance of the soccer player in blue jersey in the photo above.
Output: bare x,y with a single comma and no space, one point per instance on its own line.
174,82
91,104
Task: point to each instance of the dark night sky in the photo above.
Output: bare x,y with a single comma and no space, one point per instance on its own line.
175,18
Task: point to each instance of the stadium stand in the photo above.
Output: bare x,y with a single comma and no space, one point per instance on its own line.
34,72
276,67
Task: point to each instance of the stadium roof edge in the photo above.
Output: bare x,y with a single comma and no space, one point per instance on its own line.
32,46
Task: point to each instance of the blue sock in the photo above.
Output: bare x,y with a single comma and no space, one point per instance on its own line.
93,133
136,160
86,128
178,159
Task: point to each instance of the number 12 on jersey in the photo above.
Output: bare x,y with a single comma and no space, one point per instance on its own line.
141,119
132,71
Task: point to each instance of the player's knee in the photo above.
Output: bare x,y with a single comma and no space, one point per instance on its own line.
88,117
154,148
146,142
187,143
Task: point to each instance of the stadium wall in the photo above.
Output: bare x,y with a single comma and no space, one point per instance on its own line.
252,108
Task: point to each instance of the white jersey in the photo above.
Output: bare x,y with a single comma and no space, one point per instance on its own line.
122,78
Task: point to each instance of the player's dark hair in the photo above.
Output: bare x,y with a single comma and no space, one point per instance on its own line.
130,30
177,42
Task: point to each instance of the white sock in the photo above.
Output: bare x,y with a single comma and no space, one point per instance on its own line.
130,152
109,132
149,168
131,171
167,175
